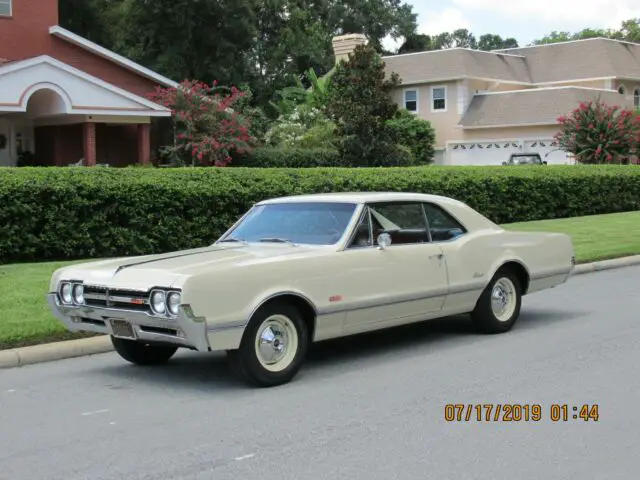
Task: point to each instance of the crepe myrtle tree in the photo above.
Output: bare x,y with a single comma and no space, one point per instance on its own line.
596,133
207,129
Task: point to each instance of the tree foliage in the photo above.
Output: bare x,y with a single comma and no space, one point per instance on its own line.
207,128
265,44
597,133
458,38
416,134
360,104
629,31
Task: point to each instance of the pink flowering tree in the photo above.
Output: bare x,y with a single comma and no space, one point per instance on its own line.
596,133
207,129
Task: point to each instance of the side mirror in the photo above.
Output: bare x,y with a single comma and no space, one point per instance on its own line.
384,240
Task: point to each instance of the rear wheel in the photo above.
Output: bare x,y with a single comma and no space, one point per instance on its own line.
141,353
498,307
273,346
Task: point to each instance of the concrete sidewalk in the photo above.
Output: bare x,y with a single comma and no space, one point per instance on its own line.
48,352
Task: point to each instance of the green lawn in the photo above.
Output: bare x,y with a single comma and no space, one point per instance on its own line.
596,237
25,318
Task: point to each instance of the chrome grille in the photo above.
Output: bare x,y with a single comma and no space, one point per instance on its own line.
116,298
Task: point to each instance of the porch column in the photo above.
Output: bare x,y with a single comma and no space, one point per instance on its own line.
144,143
89,143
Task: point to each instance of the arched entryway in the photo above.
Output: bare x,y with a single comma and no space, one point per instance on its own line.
49,135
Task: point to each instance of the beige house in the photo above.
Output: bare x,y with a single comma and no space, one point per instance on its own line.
486,105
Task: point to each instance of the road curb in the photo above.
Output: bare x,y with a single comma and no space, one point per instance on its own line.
49,352
607,264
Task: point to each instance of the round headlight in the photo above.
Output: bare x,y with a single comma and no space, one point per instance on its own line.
158,302
173,302
65,291
78,293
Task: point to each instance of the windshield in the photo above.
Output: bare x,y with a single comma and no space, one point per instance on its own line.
312,223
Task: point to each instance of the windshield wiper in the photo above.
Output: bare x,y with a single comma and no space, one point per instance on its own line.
231,239
276,240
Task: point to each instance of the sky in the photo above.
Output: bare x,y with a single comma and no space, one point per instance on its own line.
524,20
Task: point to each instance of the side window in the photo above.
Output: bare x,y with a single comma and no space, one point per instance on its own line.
411,100
441,224
362,236
404,221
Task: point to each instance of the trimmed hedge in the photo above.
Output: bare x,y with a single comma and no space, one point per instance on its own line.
71,213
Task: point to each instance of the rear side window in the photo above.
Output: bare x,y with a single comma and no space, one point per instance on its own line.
442,225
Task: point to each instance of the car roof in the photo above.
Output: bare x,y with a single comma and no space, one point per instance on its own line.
360,197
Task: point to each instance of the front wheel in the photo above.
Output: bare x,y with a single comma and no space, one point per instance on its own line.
273,346
141,353
498,307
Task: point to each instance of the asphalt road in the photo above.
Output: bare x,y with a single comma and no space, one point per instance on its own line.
367,409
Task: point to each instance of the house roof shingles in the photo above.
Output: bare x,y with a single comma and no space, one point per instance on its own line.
568,61
536,106
582,59
458,63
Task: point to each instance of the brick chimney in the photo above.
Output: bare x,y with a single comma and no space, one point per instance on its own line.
344,45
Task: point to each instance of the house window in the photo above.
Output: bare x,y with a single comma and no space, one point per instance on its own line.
636,97
5,8
621,90
411,100
439,99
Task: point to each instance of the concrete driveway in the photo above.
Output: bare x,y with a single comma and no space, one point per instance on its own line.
371,408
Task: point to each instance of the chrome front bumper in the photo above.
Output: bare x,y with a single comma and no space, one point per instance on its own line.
186,330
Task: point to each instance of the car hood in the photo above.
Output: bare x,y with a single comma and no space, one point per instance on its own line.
168,268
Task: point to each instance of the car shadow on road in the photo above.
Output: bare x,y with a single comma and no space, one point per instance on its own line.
211,371
426,336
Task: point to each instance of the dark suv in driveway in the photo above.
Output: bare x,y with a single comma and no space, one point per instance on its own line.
525,159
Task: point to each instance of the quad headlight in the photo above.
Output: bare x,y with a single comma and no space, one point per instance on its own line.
165,303
173,302
72,293
78,293
66,293
158,301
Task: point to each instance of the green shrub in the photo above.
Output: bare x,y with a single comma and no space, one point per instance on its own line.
70,213
271,157
416,134
321,135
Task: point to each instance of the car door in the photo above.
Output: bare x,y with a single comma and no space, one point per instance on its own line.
401,282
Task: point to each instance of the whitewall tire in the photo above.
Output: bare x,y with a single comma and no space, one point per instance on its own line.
498,307
273,346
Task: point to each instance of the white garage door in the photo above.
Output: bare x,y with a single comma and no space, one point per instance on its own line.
496,152
482,153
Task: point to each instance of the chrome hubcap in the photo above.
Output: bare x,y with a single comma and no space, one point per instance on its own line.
276,343
503,299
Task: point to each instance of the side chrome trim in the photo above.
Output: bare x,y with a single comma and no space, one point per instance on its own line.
551,273
382,302
227,326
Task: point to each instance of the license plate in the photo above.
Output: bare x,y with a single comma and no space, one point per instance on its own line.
122,329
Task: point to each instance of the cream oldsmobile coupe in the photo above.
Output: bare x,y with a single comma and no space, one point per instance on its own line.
302,269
